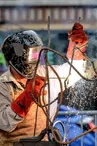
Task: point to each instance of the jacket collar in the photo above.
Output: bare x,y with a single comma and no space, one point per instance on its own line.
8,77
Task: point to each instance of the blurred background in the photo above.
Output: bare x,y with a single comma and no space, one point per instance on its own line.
18,15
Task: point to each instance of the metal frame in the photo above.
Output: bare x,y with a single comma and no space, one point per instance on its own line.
41,143
90,113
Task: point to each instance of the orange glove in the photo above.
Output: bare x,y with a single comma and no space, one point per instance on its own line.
77,39
24,101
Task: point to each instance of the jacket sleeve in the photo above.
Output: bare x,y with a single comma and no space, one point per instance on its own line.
8,118
63,71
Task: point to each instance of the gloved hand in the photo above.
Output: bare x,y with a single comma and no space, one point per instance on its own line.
24,101
77,39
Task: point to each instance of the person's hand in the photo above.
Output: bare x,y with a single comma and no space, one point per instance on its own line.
36,87
78,35
24,101
77,39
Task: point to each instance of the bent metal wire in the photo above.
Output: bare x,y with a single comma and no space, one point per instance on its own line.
61,95
55,133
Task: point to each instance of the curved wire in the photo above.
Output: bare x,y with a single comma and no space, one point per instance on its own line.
63,127
45,112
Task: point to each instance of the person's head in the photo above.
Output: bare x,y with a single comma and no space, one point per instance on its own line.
21,51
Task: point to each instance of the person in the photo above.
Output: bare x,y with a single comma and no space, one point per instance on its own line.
17,108
81,96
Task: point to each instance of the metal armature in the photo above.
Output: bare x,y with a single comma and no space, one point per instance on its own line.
55,133
57,139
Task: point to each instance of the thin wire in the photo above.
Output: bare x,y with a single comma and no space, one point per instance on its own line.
66,59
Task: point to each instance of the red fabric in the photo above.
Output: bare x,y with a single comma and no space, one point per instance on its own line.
77,38
91,125
23,103
77,26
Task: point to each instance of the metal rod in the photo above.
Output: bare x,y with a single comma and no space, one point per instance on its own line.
78,112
